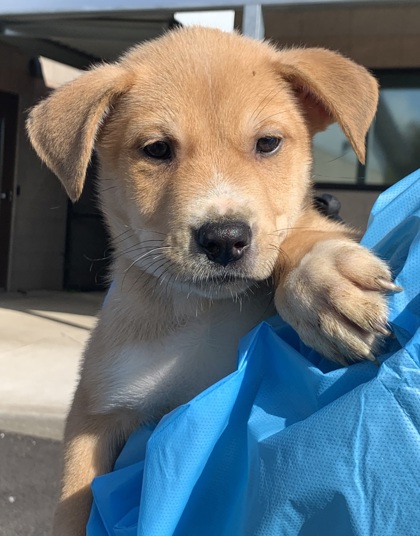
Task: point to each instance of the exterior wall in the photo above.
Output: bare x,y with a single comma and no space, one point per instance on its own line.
377,37
39,212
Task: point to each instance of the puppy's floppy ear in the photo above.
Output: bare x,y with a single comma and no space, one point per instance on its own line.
63,127
332,88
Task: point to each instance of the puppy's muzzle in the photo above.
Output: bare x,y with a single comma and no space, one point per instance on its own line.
224,242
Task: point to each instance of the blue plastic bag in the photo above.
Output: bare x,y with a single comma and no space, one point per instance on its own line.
288,444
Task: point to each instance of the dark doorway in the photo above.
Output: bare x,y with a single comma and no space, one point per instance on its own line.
8,129
87,248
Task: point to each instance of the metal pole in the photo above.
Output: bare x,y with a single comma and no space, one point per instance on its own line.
253,21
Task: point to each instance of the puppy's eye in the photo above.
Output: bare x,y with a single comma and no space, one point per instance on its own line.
268,145
159,150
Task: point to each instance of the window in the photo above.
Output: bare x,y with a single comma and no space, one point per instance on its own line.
393,142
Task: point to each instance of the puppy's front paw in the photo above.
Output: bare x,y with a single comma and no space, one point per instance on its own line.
335,299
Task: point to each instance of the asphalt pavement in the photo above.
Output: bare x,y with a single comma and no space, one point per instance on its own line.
42,335
29,469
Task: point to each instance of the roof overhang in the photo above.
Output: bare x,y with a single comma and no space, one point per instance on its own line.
82,37
81,32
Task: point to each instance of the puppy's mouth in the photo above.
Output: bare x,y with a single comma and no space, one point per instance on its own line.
218,285
226,279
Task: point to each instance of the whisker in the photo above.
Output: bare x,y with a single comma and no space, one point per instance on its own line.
276,231
139,259
137,248
116,238
268,99
121,239
171,278
109,188
121,234
155,280
150,276
97,259
144,273
280,112
149,231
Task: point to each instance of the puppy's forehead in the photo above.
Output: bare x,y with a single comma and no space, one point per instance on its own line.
187,51
212,71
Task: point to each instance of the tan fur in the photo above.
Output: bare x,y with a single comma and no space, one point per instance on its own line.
173,319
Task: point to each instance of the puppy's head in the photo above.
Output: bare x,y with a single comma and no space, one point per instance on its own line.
204,143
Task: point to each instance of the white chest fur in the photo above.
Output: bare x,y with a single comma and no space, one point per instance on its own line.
154,376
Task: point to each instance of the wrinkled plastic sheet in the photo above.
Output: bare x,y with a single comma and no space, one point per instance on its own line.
289,444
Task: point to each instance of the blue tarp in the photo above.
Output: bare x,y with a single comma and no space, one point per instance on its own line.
289,444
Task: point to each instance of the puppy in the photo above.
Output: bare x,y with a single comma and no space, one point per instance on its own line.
204,144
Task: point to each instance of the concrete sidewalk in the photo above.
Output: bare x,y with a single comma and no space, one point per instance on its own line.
42,335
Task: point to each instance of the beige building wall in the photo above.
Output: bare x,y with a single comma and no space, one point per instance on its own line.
377,36
40,210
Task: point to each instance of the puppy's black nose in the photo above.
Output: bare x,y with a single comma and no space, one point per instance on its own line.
224,242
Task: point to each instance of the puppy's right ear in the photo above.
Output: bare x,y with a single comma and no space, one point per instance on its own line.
63,127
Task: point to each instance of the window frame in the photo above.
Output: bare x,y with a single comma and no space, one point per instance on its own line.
391,78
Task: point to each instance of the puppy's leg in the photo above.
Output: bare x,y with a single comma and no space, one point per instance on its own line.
91,445
332,290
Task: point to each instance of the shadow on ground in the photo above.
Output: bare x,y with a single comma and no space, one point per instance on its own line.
67,302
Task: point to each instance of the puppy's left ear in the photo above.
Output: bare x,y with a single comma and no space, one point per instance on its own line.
331,89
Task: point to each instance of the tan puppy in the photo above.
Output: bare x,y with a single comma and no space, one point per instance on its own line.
204,143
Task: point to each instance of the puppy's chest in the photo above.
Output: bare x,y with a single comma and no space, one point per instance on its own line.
153,377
